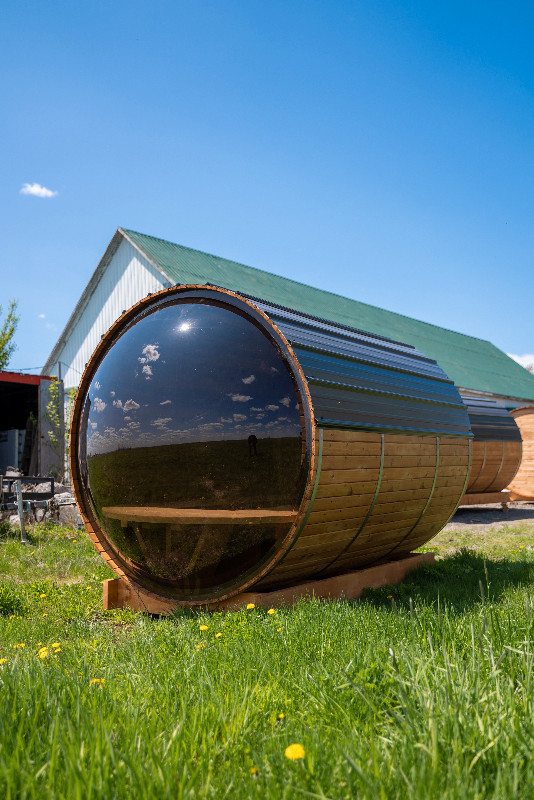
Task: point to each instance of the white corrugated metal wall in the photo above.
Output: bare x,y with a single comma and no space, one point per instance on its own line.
127,279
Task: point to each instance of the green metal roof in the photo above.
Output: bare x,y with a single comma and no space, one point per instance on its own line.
470,362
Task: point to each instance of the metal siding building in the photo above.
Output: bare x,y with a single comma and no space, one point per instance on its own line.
135,264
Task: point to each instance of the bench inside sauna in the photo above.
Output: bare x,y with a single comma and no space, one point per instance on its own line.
222,446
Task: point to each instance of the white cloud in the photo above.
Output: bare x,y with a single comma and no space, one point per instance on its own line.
253,408
117,403
36,190
99,404
150,351
112,394
526,360
161,421
260,416
271,407
165,402
240,398
147,371
224,419
41,316
250,379
239,417
94,425
129,405
285,401
98,386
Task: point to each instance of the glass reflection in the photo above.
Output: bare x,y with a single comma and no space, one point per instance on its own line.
193,408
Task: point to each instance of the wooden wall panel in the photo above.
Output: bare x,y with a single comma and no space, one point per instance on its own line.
493,465
379,496
522,486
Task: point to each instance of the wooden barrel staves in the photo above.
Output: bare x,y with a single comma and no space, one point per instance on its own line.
522,486
220,442
496,453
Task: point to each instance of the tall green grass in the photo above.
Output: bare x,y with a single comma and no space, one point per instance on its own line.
417,691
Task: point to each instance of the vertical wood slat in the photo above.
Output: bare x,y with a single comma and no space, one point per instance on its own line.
522,485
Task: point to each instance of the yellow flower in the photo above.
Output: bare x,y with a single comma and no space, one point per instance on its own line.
281,716
271,611
42,595
279,629
57,650
203,627
43,652
75,540
98,681
19,645
32,552
295,751
217,635
3,660
200,647
253,770
55,644
250,605
87,587
39,644
390,596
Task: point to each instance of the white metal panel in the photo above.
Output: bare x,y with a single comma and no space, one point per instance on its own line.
127,279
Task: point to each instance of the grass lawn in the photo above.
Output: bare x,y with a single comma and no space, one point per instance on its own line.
423,690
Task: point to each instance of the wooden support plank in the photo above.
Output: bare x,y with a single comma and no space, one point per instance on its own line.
118,593
482,498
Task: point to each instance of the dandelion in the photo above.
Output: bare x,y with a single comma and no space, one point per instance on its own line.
200,647
42,595
43,652
87,587
280,717
3,660
32,553
21,644
57,650
250,606
390,596
39,644
97,681
75,540
279,629
253,770
218,635
294,752
271,611
203,627
55,644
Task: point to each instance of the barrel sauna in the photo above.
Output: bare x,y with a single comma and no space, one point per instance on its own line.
220,442
496,453
522,486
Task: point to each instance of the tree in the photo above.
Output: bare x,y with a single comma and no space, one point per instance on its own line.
7,332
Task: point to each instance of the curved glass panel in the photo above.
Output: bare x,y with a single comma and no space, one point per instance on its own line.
191,449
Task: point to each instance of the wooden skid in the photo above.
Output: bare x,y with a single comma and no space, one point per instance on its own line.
118,593
482,498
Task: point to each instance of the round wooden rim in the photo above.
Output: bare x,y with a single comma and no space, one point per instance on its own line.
110,554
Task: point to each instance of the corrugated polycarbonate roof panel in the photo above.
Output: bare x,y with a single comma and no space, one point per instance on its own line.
490,421
470,362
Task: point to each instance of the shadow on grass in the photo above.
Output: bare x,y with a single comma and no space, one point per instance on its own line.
461,580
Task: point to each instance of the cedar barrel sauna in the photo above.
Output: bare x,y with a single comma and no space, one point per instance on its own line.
496,453
522,486
220,442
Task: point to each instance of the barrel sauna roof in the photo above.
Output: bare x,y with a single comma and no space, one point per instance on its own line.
358,380
489,420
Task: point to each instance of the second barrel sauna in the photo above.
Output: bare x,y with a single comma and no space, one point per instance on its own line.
219,442
497,447
522,486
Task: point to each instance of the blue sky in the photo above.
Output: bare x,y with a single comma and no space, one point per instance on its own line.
380,149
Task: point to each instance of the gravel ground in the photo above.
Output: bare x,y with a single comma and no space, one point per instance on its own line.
490,516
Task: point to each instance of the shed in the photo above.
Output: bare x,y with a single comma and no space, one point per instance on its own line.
25,443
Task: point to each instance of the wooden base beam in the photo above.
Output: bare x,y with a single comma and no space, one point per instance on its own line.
483,498
118,593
